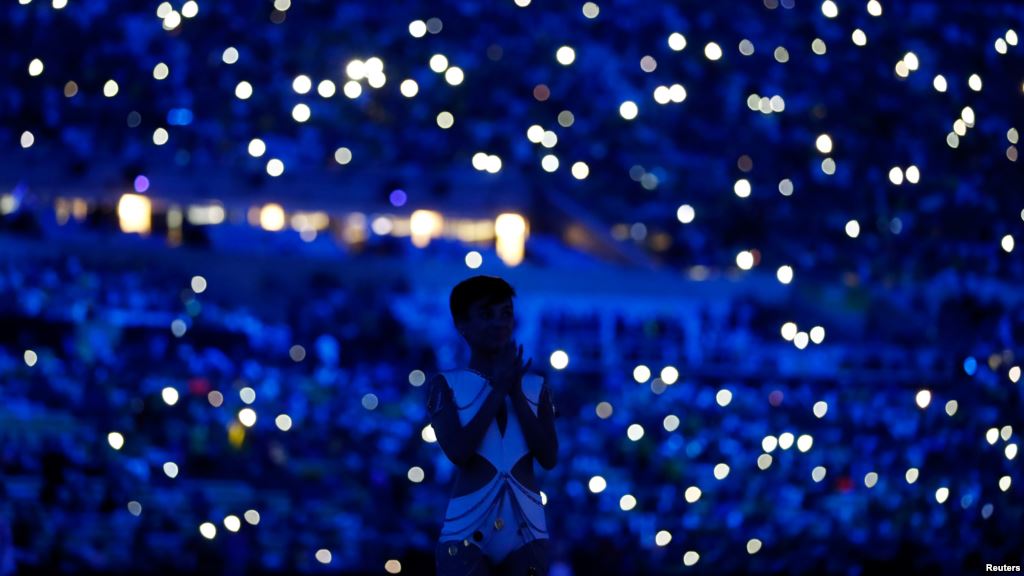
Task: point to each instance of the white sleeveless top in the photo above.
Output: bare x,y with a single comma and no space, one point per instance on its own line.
470,512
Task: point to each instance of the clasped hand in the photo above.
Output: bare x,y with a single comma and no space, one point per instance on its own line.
510,368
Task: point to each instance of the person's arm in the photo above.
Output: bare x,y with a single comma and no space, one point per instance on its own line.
459,442
539,429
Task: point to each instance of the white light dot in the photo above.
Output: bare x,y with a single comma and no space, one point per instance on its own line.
723,397
992,436
870,479
1011,37
116,440
565,55
820,408
580,170
712,51
670,375
439,63
352,89
913,174
923,398
243,90
323,556
784,274
662,538
257,148
160,136
170,469
786,440
393,567
326,88
283,422
951,407
635,432
939,83
417,28
670,423
190,9
742,188
300,112
677,93
818,47
691,558
912,475
1007,243
1014,374
474,260
603,410
591,10
1005,432
161,71
169,395
824,144
829,9
721,471
789,331
415,474
232,523
628,110
1004,483
1010,451
662,95
676,41
409,88
692,494
910,59
428,434
853,229
343,156
641,374
208,530
745,260
941,495
247,395
35,67
627,502
27,139
559,360
454,76
445,120
801,340
804,442
134,508
252,517
549,163
974,82
275,167
110,89
817,334
685,214
818,474
597,484
230,55
753,546
769,443
247,416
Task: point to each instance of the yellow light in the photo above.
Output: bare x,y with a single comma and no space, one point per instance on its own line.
134,213
425,225
272,217
511,232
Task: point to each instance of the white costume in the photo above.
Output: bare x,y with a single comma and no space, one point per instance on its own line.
504,514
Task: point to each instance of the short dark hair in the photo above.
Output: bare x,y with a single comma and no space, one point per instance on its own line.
489,289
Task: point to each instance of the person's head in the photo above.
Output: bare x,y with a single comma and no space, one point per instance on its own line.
482,310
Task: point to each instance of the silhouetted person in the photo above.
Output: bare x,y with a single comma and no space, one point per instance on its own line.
493,420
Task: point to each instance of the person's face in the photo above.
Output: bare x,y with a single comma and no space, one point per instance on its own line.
488,325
